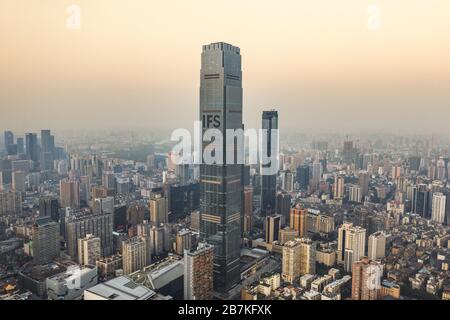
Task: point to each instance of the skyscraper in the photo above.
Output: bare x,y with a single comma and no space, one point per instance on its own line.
377,245
48,150
338,187
303,176
45,235
9,139
248,209
348,152
438,207
32,148
269,181
220,184
198,272
351,244
159,210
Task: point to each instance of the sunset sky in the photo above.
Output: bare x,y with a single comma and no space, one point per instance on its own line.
136,63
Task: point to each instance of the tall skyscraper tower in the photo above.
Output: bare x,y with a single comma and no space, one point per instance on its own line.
32,147
269,182
220,184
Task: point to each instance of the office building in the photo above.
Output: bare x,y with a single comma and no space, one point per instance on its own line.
220,184
269,181
32,148
248,210
45,240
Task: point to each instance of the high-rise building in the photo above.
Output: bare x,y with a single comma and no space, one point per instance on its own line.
69,191
273,227
32,148
89,250
133,255
421,201
198,272
269,181
220,184
366,279
438,207
78,224
354,193
159,210
103,205
351,244
287,181
297,221
45,240
18,181
248,209
49,207
9,139
10,203
283,204
183,241
348,152
363,180
20,146
338,187
377,245
302,177
299,258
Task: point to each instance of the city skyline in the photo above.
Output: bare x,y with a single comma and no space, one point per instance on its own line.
328,70
329,179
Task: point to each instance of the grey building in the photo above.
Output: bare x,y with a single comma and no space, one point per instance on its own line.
220,184
78,224
269,181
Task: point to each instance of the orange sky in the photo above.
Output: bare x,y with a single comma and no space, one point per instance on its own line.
136,62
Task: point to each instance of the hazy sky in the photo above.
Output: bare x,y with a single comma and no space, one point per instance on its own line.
136,63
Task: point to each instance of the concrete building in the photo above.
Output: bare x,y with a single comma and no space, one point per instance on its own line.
351,244
198,272
299,258
89,250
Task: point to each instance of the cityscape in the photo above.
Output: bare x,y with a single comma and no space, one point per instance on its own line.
148,214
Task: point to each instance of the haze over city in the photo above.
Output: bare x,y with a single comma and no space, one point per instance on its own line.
136,64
